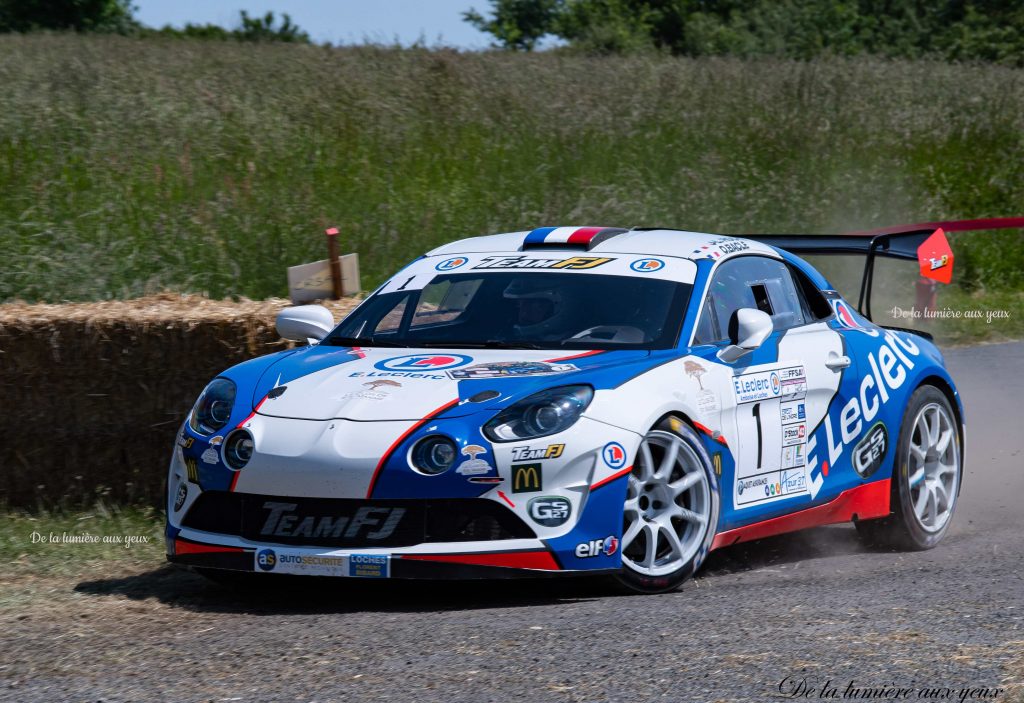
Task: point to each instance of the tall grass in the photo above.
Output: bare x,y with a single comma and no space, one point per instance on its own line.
130,166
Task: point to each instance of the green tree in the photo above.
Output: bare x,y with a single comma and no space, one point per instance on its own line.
79,15
264,29
516,24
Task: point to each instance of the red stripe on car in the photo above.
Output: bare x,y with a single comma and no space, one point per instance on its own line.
509,560
865,502
405,435
609,479
583,235
183,547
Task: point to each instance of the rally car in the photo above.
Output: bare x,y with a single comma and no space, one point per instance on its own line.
574,400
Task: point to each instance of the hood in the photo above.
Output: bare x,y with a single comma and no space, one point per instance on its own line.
323,383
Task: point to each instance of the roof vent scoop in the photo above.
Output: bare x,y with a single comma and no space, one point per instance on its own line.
585,238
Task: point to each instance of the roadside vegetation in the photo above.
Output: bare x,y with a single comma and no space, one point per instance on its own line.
132,166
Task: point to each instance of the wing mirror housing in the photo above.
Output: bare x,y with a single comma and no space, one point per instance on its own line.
305,323
748,329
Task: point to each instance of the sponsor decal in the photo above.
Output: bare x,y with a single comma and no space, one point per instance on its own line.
844,314
748,483
614,455
473,466
889,367
266,559
552,451
185,442
793,456
938,263
501,369
451,264
695,370
373,523
296,563
216,441
870,451
371,393
793,481
370,566
485,479
716,462
523,262
793,434
793,412
647,265
423,362
596,547
210,456
398,374
179,498
763,385
717,248
527,478
549,511
192,469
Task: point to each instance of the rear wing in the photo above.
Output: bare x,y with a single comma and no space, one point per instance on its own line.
924,242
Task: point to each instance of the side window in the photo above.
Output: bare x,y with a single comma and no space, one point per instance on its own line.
750,282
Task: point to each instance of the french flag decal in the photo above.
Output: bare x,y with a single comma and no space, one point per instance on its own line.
588,237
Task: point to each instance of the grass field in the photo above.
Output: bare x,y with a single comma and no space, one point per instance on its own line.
133,166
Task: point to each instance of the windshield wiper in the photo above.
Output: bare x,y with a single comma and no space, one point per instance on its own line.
357,342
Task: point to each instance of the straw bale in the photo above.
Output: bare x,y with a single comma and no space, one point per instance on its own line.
95,392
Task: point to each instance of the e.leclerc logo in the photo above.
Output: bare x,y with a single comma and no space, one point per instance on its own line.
647,265
423,362
844,316
450,264
614,455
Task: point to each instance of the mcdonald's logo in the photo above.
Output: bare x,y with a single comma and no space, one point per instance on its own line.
192,467
526,478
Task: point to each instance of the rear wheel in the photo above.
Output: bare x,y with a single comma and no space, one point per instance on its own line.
926,478
671,510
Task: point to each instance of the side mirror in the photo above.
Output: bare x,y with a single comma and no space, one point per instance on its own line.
748,329
305,323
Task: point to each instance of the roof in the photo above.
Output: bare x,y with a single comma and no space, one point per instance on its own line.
605,240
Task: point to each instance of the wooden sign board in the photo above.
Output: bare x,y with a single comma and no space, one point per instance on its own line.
310,282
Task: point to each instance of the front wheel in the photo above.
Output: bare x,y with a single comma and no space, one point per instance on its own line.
671,510
926,477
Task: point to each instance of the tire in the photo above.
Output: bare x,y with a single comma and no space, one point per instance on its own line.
673,495
926,477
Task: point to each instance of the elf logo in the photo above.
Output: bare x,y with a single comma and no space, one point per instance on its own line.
889,366
596,547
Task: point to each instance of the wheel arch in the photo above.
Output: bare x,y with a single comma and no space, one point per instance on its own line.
946,388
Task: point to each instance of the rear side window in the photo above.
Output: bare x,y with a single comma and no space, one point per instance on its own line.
751,282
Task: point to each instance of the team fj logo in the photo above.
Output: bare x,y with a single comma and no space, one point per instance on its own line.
647,265
473,466
452,264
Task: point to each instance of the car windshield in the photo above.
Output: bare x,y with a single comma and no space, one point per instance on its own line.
522,310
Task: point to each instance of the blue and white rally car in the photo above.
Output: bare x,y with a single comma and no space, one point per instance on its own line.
573,400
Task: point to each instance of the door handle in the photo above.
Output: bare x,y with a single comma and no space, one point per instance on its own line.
837,363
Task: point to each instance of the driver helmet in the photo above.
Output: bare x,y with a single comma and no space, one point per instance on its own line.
540,304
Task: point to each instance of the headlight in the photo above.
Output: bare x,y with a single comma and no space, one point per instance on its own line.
544,413
238,449
213,409
433,455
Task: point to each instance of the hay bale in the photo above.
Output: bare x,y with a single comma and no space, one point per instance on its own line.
93,393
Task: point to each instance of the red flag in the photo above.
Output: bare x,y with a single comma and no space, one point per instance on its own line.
936,257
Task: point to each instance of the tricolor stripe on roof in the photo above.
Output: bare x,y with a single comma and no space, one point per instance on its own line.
585,236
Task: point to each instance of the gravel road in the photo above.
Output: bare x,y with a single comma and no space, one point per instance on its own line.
759,620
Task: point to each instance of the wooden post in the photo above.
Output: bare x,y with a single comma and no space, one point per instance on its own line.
335,259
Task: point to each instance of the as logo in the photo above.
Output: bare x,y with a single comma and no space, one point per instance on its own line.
614,455
549,511
596,547
266,559
527,478
423,362
647,265
450,264
179,499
